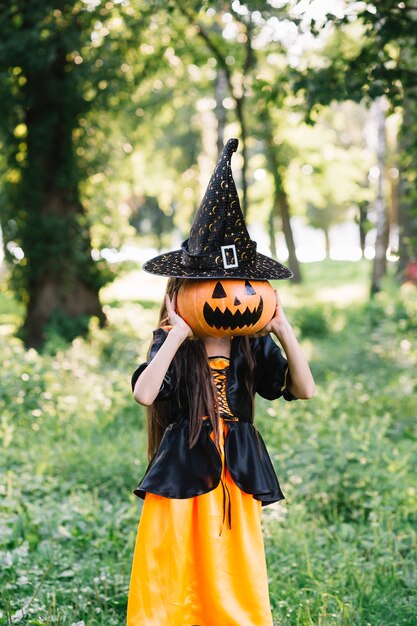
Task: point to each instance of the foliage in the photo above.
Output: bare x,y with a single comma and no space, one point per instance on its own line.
311,321
344,156
61,64
148,217
408,188
342,547
372,53
125,94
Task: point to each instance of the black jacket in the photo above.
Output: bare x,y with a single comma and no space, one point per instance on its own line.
176,471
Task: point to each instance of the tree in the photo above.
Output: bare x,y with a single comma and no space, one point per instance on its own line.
277,161
382,225
230,33
379,62
60,61
407,206
237,77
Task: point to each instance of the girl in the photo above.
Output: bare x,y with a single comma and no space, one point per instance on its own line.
199,557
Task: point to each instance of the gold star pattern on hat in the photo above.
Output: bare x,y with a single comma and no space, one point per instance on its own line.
219,244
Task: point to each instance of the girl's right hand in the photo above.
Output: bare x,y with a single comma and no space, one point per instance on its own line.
149,382
176,320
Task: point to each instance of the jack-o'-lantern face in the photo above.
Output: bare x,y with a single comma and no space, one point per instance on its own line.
226,307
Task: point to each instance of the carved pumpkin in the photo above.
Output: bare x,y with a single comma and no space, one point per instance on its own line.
226,307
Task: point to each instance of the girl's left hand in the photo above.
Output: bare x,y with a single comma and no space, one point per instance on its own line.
278,322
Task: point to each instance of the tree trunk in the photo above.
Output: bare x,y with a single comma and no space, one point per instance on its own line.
363,214
243,134
238,98
50,299
280,204
407,211
382,230
287,230
62,280
62,288
327,242
220,111
271,229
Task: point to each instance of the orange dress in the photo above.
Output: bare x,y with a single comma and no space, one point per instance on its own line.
200,561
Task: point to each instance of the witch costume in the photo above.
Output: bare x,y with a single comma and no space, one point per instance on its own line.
199,557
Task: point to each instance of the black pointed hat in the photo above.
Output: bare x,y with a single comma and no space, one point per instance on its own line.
219,245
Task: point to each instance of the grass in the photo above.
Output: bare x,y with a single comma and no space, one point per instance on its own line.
342,548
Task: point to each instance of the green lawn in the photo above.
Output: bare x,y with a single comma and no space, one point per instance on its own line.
342,549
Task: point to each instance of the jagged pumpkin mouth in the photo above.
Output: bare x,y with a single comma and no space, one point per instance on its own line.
226,319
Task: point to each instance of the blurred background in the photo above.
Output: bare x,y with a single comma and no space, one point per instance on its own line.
112,116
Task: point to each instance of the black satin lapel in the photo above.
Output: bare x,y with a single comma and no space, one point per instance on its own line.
177,471
249,463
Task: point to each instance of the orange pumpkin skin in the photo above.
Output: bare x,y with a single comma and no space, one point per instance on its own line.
226,307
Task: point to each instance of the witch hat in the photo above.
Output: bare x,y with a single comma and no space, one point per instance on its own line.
219,245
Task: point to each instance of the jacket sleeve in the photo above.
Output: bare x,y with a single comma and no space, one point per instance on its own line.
272,374
167,387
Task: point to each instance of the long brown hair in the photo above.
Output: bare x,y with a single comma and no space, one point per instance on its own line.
191,370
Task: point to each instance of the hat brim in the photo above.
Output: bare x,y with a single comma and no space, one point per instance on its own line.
263,268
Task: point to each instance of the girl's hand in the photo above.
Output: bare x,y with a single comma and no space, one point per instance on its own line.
278,323
301,383
178,324
149,382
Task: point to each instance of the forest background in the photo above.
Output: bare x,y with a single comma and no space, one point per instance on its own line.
112,114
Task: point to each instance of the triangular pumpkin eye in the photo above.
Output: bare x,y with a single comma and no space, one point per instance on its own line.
249,290
219,292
